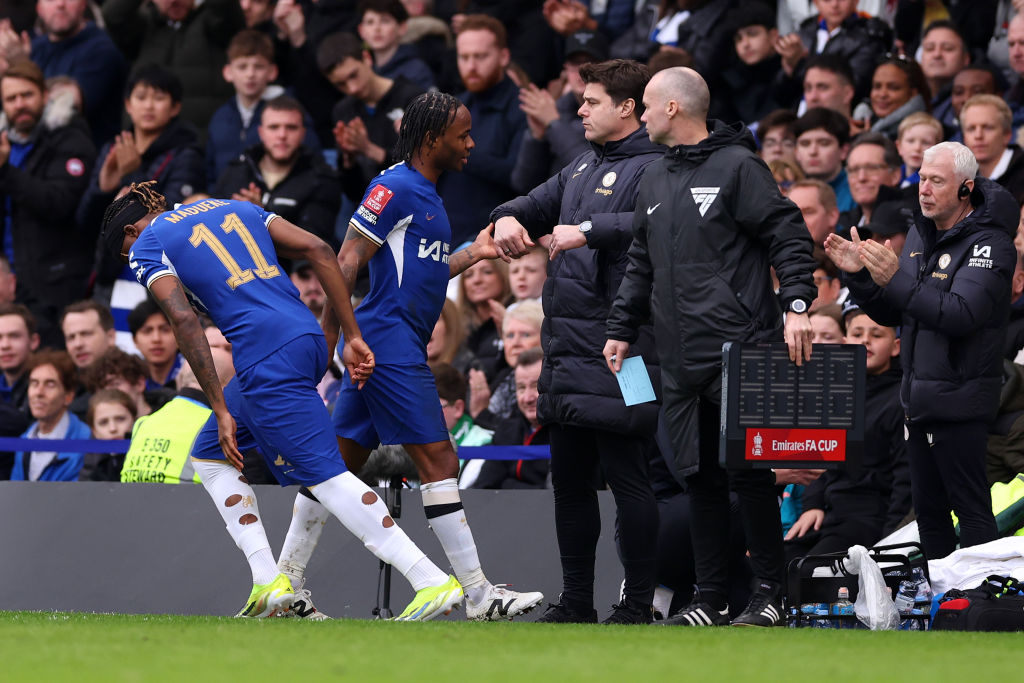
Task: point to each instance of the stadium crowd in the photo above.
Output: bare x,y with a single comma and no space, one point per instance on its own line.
296,105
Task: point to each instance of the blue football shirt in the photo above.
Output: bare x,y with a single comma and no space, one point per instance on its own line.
223,255
402,214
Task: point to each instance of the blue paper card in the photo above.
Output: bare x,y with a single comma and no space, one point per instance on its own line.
634,382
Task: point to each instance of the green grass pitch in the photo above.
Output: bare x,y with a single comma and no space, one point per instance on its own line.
97,647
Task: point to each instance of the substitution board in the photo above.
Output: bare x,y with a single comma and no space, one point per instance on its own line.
775,414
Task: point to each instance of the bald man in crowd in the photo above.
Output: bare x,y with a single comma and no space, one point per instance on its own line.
708,225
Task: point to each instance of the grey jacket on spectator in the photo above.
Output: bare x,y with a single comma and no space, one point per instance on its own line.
600,185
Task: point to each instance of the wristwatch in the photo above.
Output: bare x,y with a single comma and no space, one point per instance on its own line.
585,227
798,306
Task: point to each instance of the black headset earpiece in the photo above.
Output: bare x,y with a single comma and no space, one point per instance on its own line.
964,192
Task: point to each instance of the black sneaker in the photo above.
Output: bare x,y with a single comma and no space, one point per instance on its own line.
764,608
698,613
563,614
628,612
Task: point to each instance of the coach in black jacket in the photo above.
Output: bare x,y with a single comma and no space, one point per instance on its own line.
584,215
950,291
709,222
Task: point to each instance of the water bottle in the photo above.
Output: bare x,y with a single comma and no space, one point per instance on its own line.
924,589
815,614
904,602
842,609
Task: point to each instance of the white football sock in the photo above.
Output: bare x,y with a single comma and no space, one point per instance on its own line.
308,519
365,515
236,503
443,507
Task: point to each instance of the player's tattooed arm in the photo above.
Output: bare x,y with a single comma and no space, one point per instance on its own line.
193,345
356,252
482,248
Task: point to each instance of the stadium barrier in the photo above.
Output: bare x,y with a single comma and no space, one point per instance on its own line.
162,549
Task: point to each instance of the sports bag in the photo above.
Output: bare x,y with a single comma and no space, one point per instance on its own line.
995,605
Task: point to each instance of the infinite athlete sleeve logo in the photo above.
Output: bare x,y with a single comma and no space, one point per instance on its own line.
378,198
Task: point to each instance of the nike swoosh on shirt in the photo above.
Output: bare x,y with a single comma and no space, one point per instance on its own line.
430,218
651,209
915,253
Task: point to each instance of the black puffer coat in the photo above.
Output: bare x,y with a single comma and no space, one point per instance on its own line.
951,295
600,185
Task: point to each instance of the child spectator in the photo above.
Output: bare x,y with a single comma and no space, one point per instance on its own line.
233,127
159,146
126,372
110,416
750,85
862,504
528,273
154,338
51,387
523,429
382,24
366,121
827,325
916,133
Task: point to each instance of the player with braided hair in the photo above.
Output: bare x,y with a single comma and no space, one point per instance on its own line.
402,232
225,253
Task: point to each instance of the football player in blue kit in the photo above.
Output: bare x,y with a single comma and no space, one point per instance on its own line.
401,231
223,255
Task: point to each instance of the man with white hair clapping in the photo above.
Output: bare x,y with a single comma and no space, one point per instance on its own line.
950,292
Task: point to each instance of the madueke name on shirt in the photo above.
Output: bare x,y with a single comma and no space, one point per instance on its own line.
222,253
403,215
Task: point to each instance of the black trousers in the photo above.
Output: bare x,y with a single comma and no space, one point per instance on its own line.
675,564
947,472
576,454
709,508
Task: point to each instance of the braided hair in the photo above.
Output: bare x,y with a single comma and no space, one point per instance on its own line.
425,120
140,200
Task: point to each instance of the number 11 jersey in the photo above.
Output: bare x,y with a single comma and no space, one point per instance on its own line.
222,253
